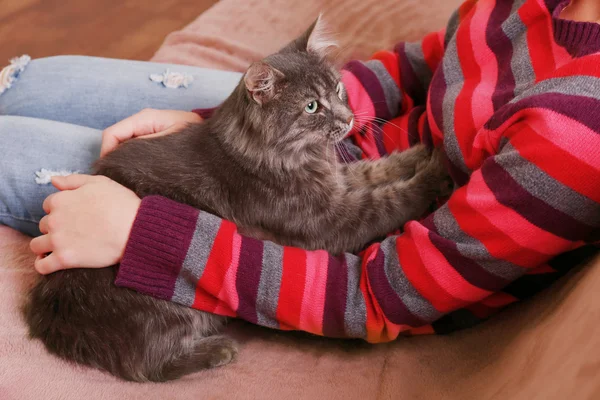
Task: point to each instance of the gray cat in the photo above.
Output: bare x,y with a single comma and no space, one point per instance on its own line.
266,160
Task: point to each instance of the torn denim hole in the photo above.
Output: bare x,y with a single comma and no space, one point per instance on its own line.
10,73
172,80
44,176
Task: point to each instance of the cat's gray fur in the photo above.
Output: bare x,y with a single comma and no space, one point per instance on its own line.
262,162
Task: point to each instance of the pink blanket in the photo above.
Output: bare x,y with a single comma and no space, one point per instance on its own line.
547,348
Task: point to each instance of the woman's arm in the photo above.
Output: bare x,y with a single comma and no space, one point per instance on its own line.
538,198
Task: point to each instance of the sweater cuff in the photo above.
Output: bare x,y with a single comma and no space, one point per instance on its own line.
205,113
157,246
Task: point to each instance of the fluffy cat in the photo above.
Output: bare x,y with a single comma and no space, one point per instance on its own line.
265,160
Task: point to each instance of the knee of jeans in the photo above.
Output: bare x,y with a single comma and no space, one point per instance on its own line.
10,73
26,226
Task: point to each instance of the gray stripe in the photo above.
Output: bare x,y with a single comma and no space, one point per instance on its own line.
454,83
389,86
416,58
520,63
270,283
545,188
355,316
578,85
452,27
416,304
207,227
472,248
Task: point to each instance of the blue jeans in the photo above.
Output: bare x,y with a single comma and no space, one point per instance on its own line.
52,117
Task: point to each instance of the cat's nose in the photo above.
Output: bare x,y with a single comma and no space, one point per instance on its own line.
349,120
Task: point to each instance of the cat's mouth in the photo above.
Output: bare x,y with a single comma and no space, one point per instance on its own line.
341,133
350,126
344,133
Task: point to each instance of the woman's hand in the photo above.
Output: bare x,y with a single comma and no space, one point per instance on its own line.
147,123
87,224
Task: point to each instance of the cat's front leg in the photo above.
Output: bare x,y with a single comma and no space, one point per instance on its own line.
369,212
398,166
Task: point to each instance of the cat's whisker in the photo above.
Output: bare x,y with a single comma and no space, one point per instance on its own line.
375,126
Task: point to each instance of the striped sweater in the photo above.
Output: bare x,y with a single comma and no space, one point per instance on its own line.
513,93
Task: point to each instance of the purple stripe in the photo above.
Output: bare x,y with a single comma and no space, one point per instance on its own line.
411,85
438,88
579,108
552,4
389,301
509,193
473,273
371,84
467,268
413,125
501,46
458,175
427,138
335,297
573,258
248,278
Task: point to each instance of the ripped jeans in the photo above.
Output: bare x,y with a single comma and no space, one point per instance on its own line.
53,111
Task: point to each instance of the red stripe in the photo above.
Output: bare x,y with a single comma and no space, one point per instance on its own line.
212,279
463,107
464,9
498,300
539,38
291,292
579,176
390,62
476,225
586,66
433,50
395,134
420,278
375,322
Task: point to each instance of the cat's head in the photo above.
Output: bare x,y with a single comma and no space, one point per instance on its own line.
296,95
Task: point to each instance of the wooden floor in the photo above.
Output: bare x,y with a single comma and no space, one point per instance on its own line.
131,29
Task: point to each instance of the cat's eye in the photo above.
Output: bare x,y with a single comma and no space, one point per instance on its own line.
340,90
312,107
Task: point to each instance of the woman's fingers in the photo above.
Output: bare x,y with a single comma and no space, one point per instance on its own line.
44,225
176,128
120,132
41,245
146,122
46,265
47,204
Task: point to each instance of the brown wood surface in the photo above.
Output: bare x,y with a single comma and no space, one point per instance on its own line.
131,29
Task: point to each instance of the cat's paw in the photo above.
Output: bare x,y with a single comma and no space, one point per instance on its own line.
435,172
408,162
223,351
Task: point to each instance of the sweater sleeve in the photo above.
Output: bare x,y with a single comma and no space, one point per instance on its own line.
388,93
537,198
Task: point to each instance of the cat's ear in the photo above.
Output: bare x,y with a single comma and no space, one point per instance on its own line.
263,81
316,40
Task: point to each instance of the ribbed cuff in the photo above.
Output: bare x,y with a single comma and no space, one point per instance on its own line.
157,246
205,113
579,38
